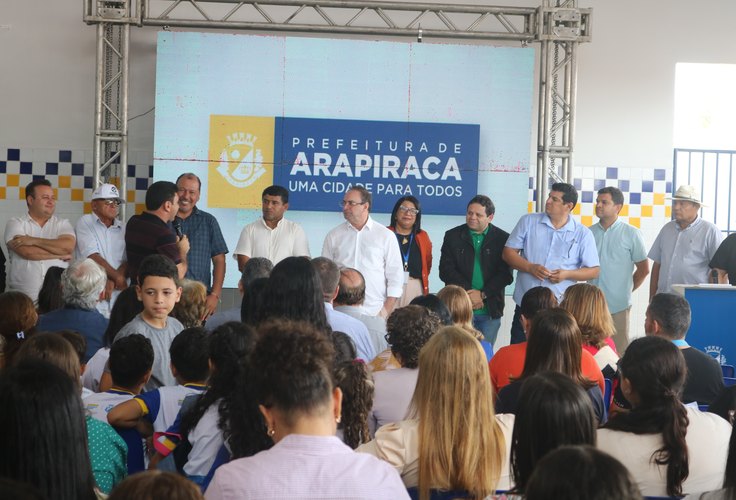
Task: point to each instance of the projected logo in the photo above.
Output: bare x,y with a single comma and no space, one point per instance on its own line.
241,160
319,159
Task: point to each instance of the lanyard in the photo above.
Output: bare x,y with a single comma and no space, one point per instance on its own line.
405,256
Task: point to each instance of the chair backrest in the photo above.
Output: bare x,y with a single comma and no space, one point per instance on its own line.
607,393
728,371
729,381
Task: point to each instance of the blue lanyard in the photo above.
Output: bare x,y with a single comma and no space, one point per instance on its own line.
680,343
408,251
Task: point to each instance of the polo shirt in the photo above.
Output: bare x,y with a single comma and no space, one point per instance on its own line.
287,239
619,248
146,234
205,241
570,247
684,255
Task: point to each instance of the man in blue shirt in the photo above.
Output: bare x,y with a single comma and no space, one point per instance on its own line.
621,250
550,249
206,258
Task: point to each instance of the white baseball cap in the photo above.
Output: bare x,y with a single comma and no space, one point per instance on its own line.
107,192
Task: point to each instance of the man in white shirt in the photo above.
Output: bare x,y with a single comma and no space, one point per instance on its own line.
101,237
272,236
369,247
37,241
684,246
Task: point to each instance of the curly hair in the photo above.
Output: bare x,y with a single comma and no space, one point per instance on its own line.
292,366
356,384
191,306
408,329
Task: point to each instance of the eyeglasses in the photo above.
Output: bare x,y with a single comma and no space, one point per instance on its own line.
408,210
110,203
351,203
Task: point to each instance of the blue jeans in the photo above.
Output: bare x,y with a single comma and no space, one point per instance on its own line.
487,326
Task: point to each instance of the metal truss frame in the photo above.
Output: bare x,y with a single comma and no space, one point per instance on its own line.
558,25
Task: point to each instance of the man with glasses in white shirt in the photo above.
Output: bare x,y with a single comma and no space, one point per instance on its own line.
363,244
101,237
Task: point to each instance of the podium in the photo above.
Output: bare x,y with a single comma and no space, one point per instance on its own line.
712,329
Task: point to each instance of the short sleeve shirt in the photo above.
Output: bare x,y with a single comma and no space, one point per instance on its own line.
94,237
286,240
619,248
27,275
205,241
570,247
684,254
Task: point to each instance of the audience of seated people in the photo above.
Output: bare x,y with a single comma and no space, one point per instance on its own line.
291,392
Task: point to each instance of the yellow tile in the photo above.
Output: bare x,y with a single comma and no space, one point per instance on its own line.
65,181
646,210
114,180
624,211
56,193
131,196
587,220
530,207
2,192
87,207
576,210
22,193
14,180
659,198
635,221
139,208
668,211
77,194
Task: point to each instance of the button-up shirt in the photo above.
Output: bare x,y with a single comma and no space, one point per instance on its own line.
570,247
287,239
684,254
619,248
205,241
27,275
373,251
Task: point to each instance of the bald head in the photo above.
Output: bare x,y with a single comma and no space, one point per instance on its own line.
351,288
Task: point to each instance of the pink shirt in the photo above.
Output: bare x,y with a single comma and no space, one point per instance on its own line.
312,467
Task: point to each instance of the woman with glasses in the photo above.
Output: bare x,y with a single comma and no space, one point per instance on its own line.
415,247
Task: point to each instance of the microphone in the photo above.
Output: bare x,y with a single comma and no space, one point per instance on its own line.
177,228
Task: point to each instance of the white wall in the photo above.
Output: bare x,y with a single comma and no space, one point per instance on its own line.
625,82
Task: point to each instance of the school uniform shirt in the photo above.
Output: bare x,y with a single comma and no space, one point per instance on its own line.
160,407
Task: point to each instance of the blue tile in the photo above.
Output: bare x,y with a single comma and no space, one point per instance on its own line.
599,184
13,154
612,173
150,171
647,186
534,195
659,174
668,187
131,170
578,183
623,186
65,156
635,198
531,182
52,169
3,167
141,184
26,167
38,177
87,182
586,196
77,169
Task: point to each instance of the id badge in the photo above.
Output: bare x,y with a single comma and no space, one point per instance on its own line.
406,277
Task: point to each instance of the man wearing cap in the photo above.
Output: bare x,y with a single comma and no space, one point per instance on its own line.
684,247
37,241
206,258
101,237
